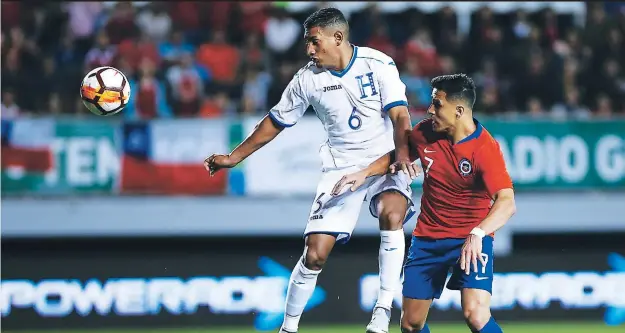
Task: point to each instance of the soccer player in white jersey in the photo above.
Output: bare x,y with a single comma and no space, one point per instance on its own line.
361,101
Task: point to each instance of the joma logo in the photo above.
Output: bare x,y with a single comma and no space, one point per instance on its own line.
334,87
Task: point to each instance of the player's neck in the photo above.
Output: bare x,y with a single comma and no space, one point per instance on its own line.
347,52
463,129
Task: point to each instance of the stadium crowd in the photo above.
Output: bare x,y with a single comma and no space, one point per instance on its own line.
212,59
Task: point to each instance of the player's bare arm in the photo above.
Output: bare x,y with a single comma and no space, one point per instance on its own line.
402,128
502,210
265,131
381,166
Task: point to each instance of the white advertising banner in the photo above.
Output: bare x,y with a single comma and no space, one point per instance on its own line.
288,165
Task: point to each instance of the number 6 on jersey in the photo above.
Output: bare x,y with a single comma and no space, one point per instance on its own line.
354,120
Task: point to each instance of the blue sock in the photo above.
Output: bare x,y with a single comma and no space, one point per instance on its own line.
425,329
490,327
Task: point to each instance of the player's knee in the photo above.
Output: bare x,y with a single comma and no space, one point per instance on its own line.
476,314
392,206
314,260
411,324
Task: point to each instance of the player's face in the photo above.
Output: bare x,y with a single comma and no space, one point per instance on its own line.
321,47
442,112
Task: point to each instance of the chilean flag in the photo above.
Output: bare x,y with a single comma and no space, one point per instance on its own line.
26,146
163,157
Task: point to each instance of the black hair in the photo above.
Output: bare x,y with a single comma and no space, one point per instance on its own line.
456,87
327,17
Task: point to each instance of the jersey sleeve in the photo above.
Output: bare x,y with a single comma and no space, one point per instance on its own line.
392,89
493,169
292,104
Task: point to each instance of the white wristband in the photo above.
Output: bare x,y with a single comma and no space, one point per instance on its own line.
478,232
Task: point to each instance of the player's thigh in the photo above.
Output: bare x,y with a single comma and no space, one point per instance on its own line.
414,313
425,270
390,196
483,278
335,215
476,307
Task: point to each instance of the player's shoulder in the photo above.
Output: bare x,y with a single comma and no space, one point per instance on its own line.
375,56
486,139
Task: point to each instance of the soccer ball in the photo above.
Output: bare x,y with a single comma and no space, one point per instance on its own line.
105,91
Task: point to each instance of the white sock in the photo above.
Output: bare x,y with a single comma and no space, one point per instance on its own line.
297,294
391,258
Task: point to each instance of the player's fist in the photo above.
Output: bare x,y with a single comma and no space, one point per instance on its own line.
356,179
407,167
217,162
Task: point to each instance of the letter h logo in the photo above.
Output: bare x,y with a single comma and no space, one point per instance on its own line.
363,93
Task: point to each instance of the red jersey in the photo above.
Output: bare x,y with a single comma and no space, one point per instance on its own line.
460,180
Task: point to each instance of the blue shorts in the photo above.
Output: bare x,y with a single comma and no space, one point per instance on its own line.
430,260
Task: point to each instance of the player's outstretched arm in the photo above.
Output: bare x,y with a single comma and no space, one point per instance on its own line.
377,167
265,131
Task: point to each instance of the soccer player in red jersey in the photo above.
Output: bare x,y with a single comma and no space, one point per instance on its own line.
467,196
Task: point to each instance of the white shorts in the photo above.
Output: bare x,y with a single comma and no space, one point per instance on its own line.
338,215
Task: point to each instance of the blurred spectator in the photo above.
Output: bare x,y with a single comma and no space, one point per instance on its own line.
134,51
10,110
255,89
488,101
102,54
278,84
420,48
54,105
154,22
535,107
171,50
49,82
221,59
217,105
187,87
11,13
253,53
380,40
416,84
186,17
148,99
82,23
121,24
603,106
281,34
253,16
572,105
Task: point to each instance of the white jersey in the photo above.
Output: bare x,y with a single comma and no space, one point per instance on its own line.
352,106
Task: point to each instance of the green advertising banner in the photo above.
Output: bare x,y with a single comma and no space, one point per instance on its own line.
563,155
83,157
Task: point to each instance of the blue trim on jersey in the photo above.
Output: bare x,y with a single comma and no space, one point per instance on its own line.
278,122
394,104
351,62
473,135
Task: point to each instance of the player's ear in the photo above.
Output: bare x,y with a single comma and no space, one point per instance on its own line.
339,37
459,111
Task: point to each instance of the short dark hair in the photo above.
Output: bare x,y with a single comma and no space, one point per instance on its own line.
456,87
327,17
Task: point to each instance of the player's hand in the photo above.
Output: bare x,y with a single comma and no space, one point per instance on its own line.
356,179
217,162
471,253
408,167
